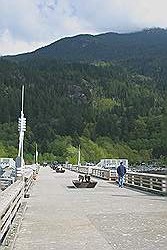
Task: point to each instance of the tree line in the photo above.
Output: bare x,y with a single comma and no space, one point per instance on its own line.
109,109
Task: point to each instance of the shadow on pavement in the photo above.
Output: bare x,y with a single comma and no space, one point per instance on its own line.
71,187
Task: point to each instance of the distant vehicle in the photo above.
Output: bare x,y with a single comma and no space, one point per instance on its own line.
7,162
7,167
60,170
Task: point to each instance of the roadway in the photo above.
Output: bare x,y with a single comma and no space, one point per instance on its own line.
61,217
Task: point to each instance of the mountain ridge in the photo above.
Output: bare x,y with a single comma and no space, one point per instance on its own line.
108,46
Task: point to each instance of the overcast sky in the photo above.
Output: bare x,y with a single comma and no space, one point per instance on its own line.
29,24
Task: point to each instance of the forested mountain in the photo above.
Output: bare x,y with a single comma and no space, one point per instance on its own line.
106,92
148,44
144,52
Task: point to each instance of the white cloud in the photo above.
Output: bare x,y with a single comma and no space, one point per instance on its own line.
150,13
9,45
28,24
122,15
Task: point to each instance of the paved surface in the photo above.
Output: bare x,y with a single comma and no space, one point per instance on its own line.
61,217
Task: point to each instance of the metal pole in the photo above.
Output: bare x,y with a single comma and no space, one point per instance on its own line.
79,156
22,128
22,104
36,155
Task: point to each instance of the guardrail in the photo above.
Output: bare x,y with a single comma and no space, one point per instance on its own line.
28,180
149,182
83,169
93,171
106,174
10,202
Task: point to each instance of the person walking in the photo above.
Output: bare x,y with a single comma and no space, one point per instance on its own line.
121,171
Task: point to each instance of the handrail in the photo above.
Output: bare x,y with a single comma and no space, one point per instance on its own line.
10,202
101,173
149,182
83,169
28,180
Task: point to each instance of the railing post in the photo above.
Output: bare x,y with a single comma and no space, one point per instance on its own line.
141,181
109,175
126,178
151,183
164,185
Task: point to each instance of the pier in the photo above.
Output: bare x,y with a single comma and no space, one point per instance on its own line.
62,217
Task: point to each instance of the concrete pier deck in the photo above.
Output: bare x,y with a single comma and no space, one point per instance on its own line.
61,217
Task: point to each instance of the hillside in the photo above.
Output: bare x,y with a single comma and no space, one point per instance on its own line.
149,43
144,52
107,92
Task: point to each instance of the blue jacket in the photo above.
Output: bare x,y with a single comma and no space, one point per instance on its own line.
121,170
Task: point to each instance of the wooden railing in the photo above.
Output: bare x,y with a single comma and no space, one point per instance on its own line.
96,172
28,181
10,202
9,205
106,174
148,182
101,173
83,169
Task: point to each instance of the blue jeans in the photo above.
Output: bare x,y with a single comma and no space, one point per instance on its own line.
121,180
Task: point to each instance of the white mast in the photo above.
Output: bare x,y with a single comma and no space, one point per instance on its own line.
79,156
36,155
21,129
